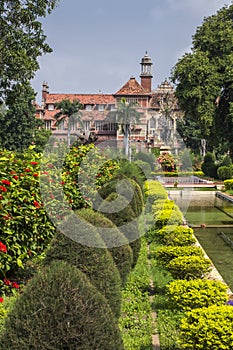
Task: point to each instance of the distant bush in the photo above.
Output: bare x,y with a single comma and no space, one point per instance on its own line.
228,184
166,253
122,253
148,158
60,309
187,295
96,263
209,167
207,329
189,267
225,172
172,216
226,161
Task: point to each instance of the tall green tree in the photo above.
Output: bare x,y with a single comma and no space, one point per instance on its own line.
70,112
204,80
125,115
22,41
18,123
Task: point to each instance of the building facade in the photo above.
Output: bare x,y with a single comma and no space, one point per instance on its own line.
158,109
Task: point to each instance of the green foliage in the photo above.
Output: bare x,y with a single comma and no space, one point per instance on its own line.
96,263
228,184
187,295
145,167
226,161
175,235
122,253
207,329
148,158
135,321
166,253
225,172
60,309
169,216
203,82
189,267
209,167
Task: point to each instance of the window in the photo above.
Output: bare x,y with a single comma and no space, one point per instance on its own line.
86,125
101,107
152,123
48,124
50,107
88,107
103,126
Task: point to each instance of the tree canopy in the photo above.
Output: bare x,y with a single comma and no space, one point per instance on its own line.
22,41
204,81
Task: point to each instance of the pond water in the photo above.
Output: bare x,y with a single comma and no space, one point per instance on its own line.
217,214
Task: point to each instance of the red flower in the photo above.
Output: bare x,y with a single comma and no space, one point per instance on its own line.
15,177
36,204
13,172
27,170
3,188
15,285
34,163
6,182
35,175
1,300
7,282
0,196
3,248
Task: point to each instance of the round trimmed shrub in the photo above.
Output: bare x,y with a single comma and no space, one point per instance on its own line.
126,221
225,172
96,263
122,254
207,329
175,235
187,295
189,267
60,309
165,254
172,216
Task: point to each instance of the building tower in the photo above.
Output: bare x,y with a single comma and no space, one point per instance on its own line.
146,74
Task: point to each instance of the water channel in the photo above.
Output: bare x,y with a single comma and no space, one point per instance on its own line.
204,208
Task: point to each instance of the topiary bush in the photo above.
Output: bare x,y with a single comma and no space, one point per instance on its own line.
96,263
122,254
207,329
165,254
225,172
187,295
209,167
175,235
125,219
189,267
228,184
60,309
169,217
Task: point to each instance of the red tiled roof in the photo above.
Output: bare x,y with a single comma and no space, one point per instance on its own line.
132,87
90,99
85,115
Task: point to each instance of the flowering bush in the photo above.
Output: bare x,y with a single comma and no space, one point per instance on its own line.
26,220
167,162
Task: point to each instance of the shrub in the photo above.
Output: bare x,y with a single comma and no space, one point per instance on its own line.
60,309
228,184
189,267
207,329
96,263
154,190
187,295
168,217
165,254
209,167
148,158
176,235
226,161
122,253
125,220
225,172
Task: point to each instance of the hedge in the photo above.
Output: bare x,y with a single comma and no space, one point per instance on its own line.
60,309
125,219
96,263
189,267
207,329
122,253
187,295
175,235
228,184
166,253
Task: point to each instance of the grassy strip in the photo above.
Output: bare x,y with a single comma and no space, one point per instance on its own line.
136,321
168,320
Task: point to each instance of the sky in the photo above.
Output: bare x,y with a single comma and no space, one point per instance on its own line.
98,45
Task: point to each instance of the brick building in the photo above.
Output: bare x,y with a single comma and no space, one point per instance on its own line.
158,108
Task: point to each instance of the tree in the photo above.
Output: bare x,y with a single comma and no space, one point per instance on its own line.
22,40
204,79
126,115
18,122
70,111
